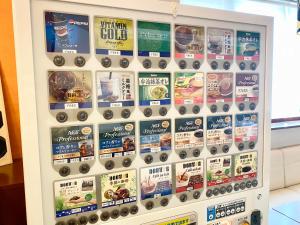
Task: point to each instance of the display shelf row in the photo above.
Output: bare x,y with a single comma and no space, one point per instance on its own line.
71,91
155,186
114,41
118,144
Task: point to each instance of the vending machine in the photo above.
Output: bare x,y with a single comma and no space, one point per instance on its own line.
143,113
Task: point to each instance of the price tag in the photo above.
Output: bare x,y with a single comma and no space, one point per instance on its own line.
69,51
154,54
116,104
219,56
188,101
155,103
114,52
71,106
188,56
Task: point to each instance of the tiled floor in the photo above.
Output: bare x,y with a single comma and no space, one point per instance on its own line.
285,206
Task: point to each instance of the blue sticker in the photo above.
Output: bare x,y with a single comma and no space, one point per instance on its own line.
67,33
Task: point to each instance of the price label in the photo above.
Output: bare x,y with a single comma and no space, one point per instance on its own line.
219,56
188,56
247,58
71,106
155,103
154,54
116,104
114,52
69,51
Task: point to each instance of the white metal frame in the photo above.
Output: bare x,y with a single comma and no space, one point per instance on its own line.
27,95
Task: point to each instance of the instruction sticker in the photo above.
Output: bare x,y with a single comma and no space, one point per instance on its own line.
219,130
189,176
154,89
72,144
245,166
248,46
155,136
67,33
153,39
246,127
183,219
118,188
189,133
219,87
75,196
113,36
220,44
70,90
116,140
189,42
189,88
156,181
246,87
115,89
218,171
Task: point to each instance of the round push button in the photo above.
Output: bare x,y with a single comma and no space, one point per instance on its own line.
241,146
252,145
196,194
72,222
225,148
149,205
79,61
126,162
109,165
148,112
253,66
104,216
242,66
196,152
214,65
134,209
147,63
226,107
83,220
236,187
196,65
108,114
226,65
82,116
182,154
162,64
148,159
163,111
124,63
124,211
216,191
61,117
213,150
223,190
213,108
254,183
183,198
209,193
64,171
125,113
229,189
115,214
84,168
182,64
59,60
106,62
242,185
182,110
241,106
94,218
196,109
164,202
163,157
248,184
252,106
